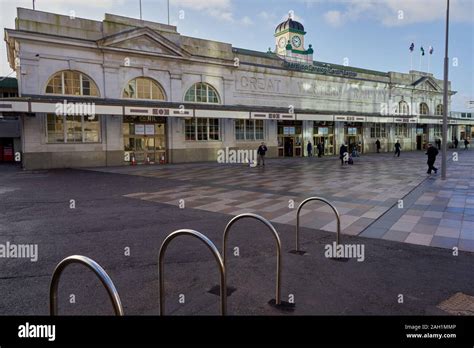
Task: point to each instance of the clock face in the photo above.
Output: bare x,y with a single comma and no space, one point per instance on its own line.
296,41
281,42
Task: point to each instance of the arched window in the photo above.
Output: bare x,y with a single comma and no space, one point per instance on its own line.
424,109
202,93
439,109
70,82
403,108
143,88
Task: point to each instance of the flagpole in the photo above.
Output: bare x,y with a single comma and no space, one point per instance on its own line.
411,60
168,7
420,60
429,62
141,10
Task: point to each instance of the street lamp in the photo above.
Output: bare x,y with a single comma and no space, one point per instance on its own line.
445,99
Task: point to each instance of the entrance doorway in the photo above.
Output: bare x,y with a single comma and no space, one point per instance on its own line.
145,138
421,137
6,150
290,139
353,136
324,132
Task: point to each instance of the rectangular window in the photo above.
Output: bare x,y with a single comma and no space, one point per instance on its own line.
249,130
91,129
214,129
259,130
378,131
72,129
202,129
401,130
438,131
190,129
55,129
239,129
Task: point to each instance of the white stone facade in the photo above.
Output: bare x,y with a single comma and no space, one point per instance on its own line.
250,85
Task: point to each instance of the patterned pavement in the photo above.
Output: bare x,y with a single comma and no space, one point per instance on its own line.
366,194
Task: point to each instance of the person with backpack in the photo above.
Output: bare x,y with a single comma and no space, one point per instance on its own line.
466,143
432,152
262,150
397,149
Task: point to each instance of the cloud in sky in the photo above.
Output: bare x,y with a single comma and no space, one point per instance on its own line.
220,9
397,12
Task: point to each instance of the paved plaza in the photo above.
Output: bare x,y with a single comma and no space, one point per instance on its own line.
380,196
407,250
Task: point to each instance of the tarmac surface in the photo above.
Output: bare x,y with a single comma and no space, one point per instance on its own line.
35,208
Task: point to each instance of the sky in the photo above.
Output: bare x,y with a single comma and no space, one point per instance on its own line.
371,34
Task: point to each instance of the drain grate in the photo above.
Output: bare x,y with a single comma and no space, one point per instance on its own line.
458,304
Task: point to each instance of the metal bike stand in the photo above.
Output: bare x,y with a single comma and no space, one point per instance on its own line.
277,239
212,248
320,199
99,272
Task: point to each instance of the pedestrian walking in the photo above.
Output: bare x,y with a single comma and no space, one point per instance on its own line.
397,149
320,149
456,142
432,152
377,145
438,143
309,148
466,143
343,153
262,150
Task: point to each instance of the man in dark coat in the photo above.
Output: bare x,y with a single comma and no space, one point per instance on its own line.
262,150
377,145
466,142
432,152
309,148
456,142
320,149
397,149
342,153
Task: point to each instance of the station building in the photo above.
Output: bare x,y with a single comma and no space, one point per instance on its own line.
99,93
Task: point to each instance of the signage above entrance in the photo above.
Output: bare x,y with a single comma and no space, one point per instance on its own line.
138,111
318,69
272,116
350,118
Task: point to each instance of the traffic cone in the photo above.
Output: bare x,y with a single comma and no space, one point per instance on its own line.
134,162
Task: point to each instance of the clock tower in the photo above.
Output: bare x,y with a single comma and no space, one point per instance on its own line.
289,41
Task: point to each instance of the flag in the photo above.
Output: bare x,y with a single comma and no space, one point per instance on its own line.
431,50
412,47
422,51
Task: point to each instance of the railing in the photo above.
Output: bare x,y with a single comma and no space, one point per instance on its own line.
277,239
99,272
212,248
320,199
